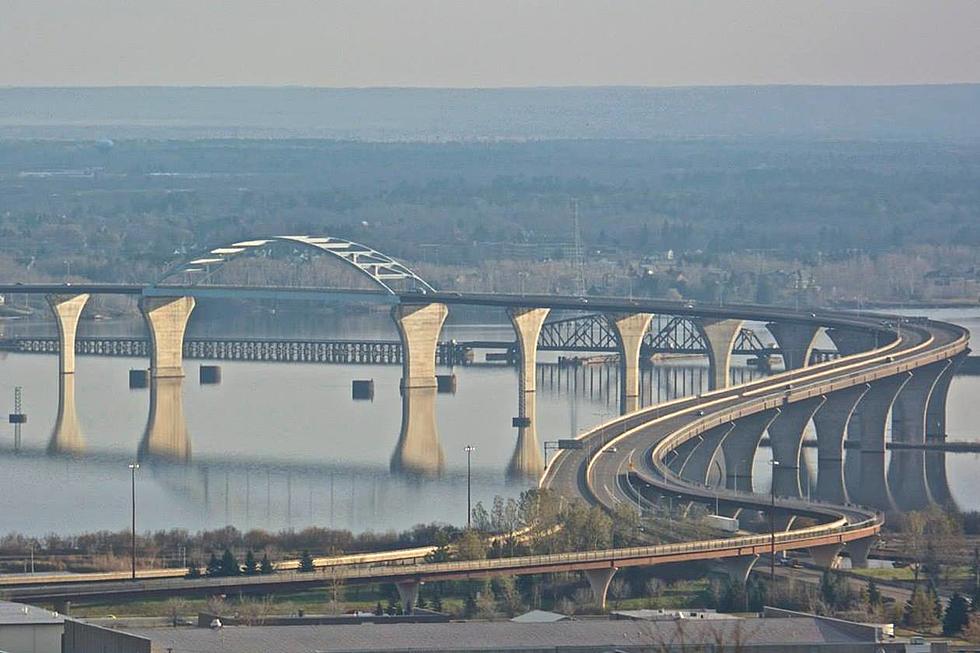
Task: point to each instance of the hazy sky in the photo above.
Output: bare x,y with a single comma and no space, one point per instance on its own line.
468,43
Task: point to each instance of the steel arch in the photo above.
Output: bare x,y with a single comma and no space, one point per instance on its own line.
379,268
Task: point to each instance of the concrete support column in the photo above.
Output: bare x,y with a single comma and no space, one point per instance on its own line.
853,341
858,551
698,465
739,448
527,326
166,318
630,328
865,477
936,433
738,569
408,592
679,456
526,461
786,438
599,580
907,469
719,335
66,437
783,521
795,341
67,309
418,452
419,326
165,436
831,425
826,556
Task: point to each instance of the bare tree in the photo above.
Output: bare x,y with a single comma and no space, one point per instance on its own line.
175,605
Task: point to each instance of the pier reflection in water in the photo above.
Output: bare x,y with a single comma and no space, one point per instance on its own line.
166,435
279,445
66,436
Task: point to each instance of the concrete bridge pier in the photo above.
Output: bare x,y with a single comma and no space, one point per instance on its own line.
865,478
629,329
526,461
795,341
783,521
935,461
67,309
719,334
599,580
408,593
737,569
826,556
167,319
740,445
681,454
786,438
830,422
858,550
166,436
907,469
66,436
418,452
853,341
704,458
418,327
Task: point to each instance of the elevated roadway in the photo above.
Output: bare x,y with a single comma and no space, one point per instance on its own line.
630,459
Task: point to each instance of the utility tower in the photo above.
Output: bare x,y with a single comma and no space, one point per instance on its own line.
17,418
578,260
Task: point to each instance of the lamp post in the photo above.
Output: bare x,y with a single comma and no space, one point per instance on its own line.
469,449
132,468
772,525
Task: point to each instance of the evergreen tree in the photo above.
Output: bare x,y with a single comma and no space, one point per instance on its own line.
874,595
251,565
229,564
421,602
378,610
469,606
957,615
306,561
214,566
193,569
437,603
266,567
733,598
755,594
920,611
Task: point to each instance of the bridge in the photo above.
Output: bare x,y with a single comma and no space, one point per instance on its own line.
694,449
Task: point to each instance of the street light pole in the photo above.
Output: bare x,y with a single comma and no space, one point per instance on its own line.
132,468
469,449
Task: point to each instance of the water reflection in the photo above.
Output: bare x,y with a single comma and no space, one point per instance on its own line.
166,436
282,445
418,452
66,436
526,462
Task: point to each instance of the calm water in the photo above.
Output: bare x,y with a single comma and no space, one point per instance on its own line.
283,445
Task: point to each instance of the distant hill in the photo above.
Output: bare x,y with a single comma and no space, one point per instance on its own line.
948,112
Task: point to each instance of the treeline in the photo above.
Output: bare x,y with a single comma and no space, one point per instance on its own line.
823,207
176,547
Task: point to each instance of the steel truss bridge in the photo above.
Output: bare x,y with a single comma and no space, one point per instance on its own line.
584,333
666,450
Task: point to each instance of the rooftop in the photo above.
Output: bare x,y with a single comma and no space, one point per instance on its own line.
462,636
19,614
